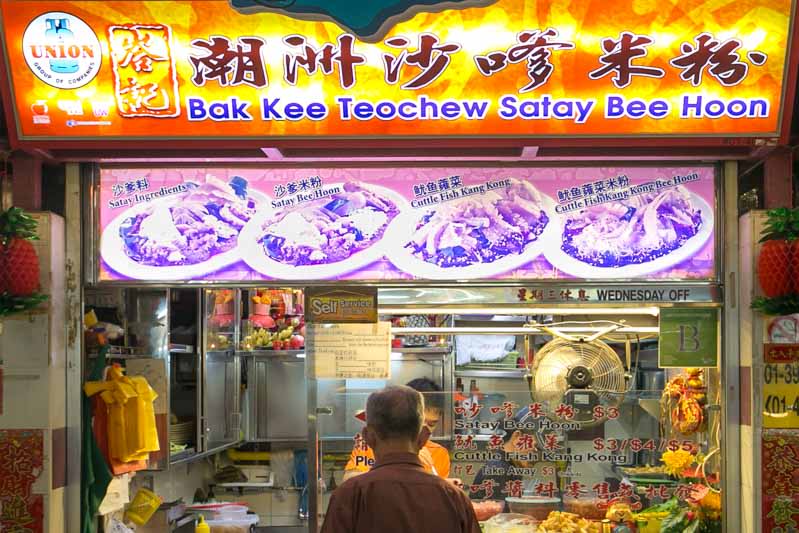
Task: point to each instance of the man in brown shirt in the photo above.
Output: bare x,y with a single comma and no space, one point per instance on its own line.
397,495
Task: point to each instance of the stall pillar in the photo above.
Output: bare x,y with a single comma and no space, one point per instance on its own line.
26,174
777,182
750,424
33,416
769,443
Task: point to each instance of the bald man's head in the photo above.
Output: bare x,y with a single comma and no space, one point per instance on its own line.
395,413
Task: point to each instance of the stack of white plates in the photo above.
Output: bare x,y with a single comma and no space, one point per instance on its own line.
182,433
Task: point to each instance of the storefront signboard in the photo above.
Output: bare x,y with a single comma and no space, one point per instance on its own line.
401,224
341,305
87,70
689,337
349,351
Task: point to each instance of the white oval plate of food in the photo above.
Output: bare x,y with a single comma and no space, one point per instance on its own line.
444,247
578,268
148,250
308,242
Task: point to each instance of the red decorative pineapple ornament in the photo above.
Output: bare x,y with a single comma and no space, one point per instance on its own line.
19,264
774,271
778,263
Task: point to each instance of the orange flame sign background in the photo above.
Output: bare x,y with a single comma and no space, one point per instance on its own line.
161,70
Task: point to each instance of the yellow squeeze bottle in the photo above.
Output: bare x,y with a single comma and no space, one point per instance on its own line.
202,527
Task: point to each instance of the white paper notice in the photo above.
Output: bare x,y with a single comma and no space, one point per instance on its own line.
342,351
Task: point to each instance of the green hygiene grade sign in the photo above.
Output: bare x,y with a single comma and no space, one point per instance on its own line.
689,337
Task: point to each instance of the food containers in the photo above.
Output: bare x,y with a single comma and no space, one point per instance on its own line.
232,519
650,522
651,380
536,507
487,508
232,526
226,517
510,523
587,508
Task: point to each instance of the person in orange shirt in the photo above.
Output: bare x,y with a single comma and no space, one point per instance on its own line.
434,457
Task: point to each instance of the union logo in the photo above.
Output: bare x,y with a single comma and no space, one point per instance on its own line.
62,50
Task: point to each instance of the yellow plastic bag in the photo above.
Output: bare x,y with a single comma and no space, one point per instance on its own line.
132,432
143,506
140,409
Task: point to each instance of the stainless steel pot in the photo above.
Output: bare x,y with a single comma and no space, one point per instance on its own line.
651,380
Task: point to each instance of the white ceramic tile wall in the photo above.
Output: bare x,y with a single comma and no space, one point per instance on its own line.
182,481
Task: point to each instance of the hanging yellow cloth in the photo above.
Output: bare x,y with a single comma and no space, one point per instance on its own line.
132,434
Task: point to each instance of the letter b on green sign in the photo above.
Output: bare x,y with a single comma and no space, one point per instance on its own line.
689,337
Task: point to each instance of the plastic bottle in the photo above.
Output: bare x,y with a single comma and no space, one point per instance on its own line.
202,527
458,400
474,392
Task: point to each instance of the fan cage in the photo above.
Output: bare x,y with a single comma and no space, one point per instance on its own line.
549,384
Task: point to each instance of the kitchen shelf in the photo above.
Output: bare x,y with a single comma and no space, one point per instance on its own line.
186,456
121,352
511,373
241,488
491,317
190,456
271,353
268,483
423,350
181,348
218,353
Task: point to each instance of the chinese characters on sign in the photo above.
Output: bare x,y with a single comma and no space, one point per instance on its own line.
130,187
507,450
311,59
293,187
432,187
781,353
589,189
618,59
533,46
232,62
145,75
780,474
431,57
721,60
229,64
